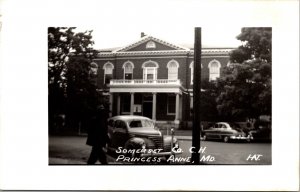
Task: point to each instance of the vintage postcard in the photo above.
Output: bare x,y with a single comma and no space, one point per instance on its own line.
149,95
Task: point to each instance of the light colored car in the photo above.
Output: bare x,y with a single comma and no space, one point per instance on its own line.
226,132
138,136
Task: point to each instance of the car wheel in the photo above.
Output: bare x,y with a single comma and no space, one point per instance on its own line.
226,139
204,138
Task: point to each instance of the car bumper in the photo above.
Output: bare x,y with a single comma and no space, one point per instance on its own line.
233,137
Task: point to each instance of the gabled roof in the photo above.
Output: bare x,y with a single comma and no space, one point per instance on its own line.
150,38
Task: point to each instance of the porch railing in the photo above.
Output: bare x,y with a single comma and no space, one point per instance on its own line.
145,81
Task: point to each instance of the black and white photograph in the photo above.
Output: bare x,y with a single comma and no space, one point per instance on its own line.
161,95
135,104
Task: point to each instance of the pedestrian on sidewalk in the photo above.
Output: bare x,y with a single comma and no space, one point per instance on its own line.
97,135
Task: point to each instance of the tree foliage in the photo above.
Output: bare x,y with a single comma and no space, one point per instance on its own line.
244,90
63,42
69,58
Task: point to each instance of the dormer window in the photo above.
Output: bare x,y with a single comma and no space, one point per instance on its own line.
150,45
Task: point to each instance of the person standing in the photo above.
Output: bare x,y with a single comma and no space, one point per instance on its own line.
97,135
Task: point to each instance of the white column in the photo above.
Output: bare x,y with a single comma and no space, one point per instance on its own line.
131,103
177,107
154,106
177,111
180,107
118,104
110,104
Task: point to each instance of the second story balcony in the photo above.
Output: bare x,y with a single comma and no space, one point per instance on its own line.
145,85
145,82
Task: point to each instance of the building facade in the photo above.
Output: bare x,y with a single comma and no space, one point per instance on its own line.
154,78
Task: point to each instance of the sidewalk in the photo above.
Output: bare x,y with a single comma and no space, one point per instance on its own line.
179,134
183,134
184,137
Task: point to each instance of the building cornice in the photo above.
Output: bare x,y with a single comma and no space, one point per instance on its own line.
205,52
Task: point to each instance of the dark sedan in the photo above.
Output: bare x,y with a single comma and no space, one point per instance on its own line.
226,132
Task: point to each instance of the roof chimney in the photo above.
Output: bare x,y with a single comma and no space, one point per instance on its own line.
143,34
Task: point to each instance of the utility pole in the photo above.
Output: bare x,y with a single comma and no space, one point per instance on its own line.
196,97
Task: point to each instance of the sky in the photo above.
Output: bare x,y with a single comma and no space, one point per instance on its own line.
170,20
211,37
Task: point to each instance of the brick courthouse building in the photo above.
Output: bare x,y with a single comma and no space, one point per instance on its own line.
154,78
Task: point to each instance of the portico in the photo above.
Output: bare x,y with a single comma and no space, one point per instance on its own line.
159,100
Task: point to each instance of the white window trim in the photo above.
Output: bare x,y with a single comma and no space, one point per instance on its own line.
124,65
104,68
209,67
168,66
145,73
145,69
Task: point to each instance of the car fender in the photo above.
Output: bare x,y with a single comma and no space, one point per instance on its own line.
134,143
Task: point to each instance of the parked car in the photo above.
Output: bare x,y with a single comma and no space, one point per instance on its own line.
138,136
262,131
226,132
262,134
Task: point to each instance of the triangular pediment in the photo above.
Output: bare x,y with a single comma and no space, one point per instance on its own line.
149,43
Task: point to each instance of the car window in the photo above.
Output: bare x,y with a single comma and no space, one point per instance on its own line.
141,123
135,123
111,123
120,124
222,126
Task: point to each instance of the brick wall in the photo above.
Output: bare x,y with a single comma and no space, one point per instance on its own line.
184,71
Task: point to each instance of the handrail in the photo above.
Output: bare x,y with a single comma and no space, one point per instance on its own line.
144,81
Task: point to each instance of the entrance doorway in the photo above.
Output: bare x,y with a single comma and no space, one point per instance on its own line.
147,109
147,105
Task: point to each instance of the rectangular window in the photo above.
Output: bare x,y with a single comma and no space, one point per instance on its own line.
128,76
150,76
171,105
150,73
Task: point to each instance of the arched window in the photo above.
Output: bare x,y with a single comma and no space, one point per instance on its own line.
214,70
192,71
128,70
108,72
150,70
173,69
150,45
